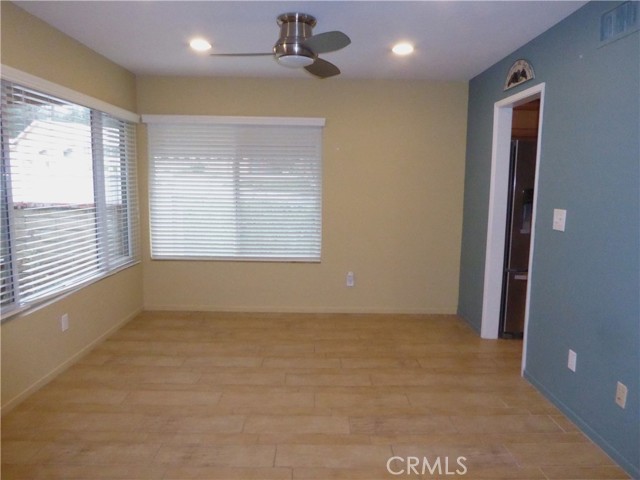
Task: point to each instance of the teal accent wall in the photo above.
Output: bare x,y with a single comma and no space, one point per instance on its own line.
585,291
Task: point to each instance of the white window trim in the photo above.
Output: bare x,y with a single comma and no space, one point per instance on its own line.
231,120
45,86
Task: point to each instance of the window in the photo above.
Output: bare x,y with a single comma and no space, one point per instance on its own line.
68,208
235,188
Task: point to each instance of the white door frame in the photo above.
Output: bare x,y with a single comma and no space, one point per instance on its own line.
498,197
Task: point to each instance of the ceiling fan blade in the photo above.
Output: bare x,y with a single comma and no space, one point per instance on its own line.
242,54
323,69
327,42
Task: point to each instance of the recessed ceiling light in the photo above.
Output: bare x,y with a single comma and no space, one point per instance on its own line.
402,48
199,44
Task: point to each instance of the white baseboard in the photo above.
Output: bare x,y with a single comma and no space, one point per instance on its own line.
320,310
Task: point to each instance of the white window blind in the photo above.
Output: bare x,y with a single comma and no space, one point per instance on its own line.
232,190
68,207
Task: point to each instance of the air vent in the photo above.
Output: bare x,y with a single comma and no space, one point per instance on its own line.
619,22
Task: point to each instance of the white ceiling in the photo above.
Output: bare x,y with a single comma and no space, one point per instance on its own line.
454,40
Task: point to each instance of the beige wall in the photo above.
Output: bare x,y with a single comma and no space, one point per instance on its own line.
33,347
35,47
392,187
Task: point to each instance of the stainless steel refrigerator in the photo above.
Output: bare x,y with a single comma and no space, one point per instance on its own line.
518,237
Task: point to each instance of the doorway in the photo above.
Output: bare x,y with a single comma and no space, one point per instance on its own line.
497,214
521,184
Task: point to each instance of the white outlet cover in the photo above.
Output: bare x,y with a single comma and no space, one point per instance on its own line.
350,279
64,322
621,395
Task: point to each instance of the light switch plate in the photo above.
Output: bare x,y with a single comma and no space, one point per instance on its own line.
559,219
573,359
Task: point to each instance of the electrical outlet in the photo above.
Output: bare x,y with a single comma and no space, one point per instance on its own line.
64,322
621,395
573,358
351,281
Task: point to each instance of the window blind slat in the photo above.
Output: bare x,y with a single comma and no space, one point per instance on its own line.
235,191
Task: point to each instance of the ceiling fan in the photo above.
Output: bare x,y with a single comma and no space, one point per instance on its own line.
298,47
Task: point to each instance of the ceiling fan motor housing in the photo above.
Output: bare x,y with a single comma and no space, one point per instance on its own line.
289,50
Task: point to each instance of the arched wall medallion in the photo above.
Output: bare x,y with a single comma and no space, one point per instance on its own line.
521,71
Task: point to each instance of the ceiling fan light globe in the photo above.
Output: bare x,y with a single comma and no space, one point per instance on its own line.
295,61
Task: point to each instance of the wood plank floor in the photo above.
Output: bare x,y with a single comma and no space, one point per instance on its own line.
289,396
